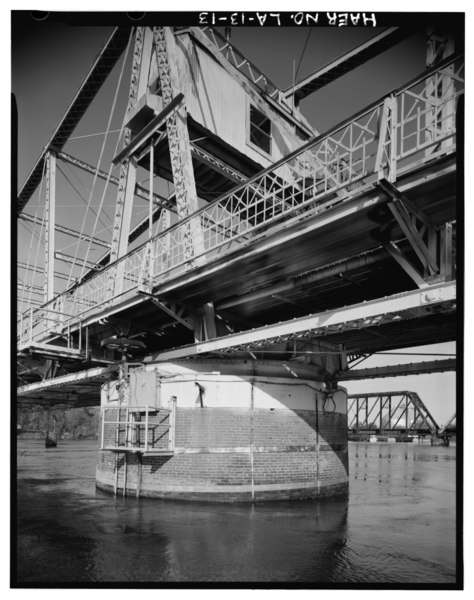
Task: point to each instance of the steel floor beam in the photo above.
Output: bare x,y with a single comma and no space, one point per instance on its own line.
431,366
396,308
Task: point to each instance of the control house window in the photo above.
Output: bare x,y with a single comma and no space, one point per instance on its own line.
260,130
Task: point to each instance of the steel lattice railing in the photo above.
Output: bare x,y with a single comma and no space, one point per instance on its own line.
412,126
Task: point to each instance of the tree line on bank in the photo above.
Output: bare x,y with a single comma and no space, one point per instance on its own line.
71,423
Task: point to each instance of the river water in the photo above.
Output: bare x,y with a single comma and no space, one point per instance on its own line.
397,526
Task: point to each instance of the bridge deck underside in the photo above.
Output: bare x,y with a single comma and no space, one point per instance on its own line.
355,229
309,268
75,395
326,261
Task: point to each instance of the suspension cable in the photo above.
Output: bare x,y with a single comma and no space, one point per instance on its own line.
100,160
119,137
302,53
79,193
86,189
97,233
81,137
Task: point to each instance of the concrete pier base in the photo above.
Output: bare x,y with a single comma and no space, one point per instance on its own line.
231,431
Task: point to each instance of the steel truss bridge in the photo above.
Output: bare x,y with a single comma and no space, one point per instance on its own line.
349,240
400,414
389,412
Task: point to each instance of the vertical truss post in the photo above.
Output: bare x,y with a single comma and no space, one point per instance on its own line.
164,224
209,320
128,173
386,157
31,326
203,322
152,176
440,119
431,240
50,222
123,212
146,51
58,316
179,145
126,187
406,412
349,413
146,271
392,171
343,362
446,252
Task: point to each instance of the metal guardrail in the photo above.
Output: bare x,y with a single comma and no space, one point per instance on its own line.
414,125
127,432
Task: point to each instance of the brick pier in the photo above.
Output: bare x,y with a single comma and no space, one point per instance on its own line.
227,435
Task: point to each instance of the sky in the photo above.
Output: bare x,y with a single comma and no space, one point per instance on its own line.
50,60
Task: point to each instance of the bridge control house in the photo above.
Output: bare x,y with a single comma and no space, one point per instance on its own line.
216,333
